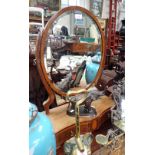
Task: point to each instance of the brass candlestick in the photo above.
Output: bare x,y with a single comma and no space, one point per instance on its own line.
77,136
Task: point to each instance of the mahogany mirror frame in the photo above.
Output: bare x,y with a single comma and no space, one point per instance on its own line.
41,44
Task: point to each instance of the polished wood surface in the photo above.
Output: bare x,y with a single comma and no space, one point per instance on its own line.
81,48
64,125
37,19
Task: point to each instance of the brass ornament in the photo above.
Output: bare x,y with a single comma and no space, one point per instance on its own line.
80,144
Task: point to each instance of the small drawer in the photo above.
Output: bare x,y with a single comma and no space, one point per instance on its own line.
66,134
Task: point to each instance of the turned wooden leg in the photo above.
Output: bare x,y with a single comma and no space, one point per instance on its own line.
48,102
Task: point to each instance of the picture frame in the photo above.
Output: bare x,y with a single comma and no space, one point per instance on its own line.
51,5
96,7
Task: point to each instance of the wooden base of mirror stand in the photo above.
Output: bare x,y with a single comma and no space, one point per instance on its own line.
64,125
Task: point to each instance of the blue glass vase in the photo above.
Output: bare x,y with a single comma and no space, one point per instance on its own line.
92,67
41,134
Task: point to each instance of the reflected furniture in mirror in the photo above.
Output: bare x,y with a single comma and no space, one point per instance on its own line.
71,41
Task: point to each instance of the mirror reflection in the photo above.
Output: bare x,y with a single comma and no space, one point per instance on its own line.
72,46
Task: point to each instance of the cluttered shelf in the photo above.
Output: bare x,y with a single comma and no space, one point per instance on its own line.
37,18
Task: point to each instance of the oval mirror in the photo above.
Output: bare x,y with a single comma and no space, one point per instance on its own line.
71,42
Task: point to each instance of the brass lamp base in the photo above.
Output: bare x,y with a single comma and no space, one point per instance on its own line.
83,111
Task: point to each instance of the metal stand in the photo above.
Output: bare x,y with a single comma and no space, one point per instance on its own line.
80,144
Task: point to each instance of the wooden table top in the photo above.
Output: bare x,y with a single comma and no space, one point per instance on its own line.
61,120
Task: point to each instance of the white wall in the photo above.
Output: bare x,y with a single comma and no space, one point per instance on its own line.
105,9
65,21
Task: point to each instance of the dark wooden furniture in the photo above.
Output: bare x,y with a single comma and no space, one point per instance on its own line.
33,18
64,125
81,48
